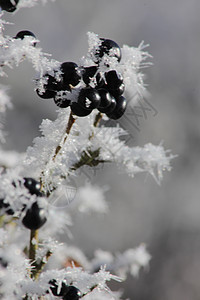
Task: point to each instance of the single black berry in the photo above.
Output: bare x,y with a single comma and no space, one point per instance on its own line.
33,186
51,85
118,91
71,75
72,294
35,217
61,100
100,82
24,33
106,100
89,98
79,111
54,288
112,106
7,208
108,47
119,110
113,79
88,73
9,5
47,94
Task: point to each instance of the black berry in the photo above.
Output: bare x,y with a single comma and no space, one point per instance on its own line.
6,206
79,111
50,87
61,100
47,94
35,217
33,186
106,100
112,106
118,91
108,47
24,33
88,73
8,5
72,294
89,98
71,74
100,82
113,79
54,288
119,110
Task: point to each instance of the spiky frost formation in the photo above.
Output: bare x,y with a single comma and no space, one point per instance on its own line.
130,261
105,141
14,268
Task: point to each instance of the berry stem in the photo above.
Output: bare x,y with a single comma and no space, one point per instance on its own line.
70,123
97,119
41,265
33,246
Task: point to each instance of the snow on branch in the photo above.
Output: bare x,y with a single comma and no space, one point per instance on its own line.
130,261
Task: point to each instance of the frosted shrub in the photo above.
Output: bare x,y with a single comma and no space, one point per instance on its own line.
87,95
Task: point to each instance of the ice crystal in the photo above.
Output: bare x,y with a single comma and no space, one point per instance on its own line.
14,271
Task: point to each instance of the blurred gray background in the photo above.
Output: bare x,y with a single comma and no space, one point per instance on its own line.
165,217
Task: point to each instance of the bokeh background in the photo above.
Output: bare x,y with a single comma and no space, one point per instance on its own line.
165,217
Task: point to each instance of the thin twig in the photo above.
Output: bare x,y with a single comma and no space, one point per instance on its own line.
67,131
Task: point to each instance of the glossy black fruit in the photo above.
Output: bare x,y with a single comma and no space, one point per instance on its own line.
61,100
89,98
117,91
100,81
72,294
108,47
106,100
119,110
47,94
51,86
24,33
79,111
33,186
8,5
71,75
113,79
112,106
35,217
88,73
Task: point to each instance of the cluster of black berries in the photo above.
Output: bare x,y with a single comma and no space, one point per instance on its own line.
67,292
101,91
9,5
35,216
